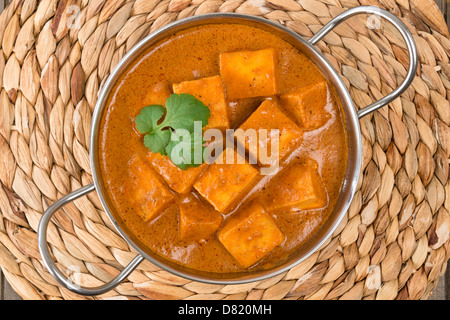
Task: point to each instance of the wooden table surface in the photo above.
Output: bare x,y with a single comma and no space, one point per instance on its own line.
442,291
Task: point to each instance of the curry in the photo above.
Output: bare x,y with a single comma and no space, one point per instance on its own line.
221,217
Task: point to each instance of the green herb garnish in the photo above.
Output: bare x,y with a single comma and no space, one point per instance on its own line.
170,136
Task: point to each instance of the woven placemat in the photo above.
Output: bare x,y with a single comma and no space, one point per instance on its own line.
55,56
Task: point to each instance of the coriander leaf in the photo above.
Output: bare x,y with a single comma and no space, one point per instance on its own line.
182,110
174,136
157,141
147,120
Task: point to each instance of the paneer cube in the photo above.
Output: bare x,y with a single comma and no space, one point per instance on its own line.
209,91
308,105
146,191
250,235
223,182
298,187
158,94
197,220
178,180
259,143
249,73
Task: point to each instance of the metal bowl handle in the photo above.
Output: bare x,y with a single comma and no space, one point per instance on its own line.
406,36
54,271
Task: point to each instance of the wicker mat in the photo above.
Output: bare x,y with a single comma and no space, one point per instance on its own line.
54,58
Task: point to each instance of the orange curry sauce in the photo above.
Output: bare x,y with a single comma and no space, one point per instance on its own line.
194,54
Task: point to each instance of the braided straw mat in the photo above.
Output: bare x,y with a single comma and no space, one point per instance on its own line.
393,242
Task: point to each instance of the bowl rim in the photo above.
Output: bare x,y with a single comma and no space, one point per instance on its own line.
351,118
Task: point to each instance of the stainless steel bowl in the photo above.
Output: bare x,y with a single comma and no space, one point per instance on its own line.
354,147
